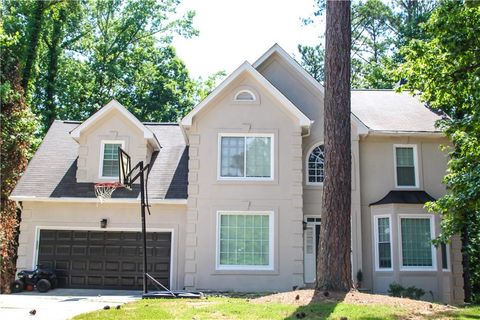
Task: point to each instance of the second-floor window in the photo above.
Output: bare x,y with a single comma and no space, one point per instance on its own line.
248,157
315,163
109,156
405,166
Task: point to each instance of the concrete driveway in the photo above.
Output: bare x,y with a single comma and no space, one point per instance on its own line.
61,304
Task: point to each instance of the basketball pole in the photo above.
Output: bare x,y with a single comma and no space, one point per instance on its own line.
144,228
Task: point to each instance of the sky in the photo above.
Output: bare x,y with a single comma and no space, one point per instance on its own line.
233,31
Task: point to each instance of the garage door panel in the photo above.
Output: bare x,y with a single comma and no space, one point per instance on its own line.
104,259
79,250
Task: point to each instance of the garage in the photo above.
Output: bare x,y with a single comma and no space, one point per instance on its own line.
104,259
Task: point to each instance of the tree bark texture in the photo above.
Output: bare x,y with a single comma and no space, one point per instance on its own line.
334,262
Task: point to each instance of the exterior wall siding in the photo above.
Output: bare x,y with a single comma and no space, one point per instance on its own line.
377,176
207,194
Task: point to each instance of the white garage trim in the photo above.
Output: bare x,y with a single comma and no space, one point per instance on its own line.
172,242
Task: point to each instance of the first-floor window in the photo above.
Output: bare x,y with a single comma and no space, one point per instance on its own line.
445,259
417,249
384,246
245,240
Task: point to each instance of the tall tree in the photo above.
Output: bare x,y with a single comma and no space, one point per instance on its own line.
334,263
444,68
16,139
379,30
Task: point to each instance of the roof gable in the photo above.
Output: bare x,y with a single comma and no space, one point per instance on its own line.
277,50
109,107
303,120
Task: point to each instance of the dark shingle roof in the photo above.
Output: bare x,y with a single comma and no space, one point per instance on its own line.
52,171
409,197
388,110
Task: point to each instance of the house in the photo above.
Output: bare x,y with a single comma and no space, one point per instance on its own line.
235,191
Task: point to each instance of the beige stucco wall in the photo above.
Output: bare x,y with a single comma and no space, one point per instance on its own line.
112,126
377,178
87,216
310,101
207,194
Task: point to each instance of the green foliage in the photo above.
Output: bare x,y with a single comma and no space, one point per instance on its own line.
379,30
16,140
397,290
444,69
89,52
312,60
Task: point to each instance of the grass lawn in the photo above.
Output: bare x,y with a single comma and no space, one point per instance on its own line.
236,308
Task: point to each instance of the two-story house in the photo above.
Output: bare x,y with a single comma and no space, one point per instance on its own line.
235,191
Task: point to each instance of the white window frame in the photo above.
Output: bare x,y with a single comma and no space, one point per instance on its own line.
415,164
245,178
102,155
433,267
245,91
447,253
377,254
307,182
271,238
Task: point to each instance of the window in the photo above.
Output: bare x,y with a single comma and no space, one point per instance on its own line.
315,164
445,250
245,95
245,241
246,157
383,238
405,166
109,158
417,251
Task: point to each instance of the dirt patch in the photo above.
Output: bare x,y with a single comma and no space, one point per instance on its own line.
304,297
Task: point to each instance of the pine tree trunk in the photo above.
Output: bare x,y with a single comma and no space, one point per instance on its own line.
334,263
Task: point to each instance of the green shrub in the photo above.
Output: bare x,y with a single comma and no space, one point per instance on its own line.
397,290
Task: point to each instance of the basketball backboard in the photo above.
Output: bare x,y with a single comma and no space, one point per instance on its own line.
125,167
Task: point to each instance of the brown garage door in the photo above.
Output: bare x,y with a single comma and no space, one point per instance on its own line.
104,259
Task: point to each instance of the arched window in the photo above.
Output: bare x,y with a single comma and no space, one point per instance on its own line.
245,95
315,163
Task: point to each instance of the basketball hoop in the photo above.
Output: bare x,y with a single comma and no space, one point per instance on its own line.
104,190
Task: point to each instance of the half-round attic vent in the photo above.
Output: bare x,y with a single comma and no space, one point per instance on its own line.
245,95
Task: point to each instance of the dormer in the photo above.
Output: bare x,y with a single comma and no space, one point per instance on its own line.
100,136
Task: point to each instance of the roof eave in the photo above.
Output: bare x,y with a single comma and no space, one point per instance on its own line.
303,120
276,48
95,200
114,104
389,133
